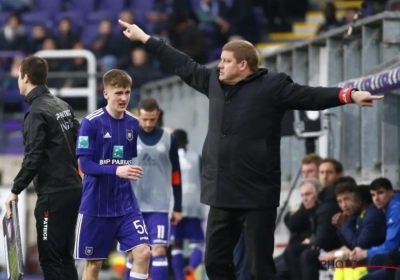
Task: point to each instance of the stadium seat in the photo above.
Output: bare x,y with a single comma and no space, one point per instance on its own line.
33,18
97,16
142,5
52,7
3,17
76,17
84,6
113,6
89,34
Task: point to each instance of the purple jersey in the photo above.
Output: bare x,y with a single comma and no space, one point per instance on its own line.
111,143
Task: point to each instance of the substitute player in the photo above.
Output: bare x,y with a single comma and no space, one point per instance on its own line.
193,212
158,156
106,145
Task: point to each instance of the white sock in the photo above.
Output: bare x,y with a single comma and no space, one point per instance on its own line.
138,276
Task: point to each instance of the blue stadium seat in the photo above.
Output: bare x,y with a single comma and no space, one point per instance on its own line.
89,34
113,6
32,18
52,7
84,6
3,17
97,16
142,5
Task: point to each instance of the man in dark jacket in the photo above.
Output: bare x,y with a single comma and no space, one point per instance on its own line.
241,176
49,131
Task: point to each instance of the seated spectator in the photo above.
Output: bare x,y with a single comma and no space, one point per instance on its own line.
65,38
124,46
242,20
394,5
13,36
329,171
39,34
55,65
105,43
298,221
349,16
141,72
15,5
330,21
309,166
302,259
213,20
188,38
384,198
360,224
11,81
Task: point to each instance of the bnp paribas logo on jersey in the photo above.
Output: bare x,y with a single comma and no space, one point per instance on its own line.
118,151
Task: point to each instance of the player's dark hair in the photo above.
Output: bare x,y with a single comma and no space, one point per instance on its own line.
148,104
362,193
117,78
36,68
336,164
380,183
344,188
181,136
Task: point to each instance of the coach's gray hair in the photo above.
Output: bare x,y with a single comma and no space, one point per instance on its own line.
313,181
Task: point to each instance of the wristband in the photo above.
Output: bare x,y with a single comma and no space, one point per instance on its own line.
338,254
345,95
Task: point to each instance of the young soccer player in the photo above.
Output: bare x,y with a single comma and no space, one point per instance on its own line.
109,210
193,212
158,156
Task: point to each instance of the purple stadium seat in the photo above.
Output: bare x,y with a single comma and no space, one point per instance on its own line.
113,6
195,3
12,125
3,17
32,18
52,7
142,5
84,6
11,94
75,16
96,17
89,34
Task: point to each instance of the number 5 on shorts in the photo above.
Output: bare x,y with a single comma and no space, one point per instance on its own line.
140,228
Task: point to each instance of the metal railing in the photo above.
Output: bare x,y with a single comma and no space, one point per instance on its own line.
90,91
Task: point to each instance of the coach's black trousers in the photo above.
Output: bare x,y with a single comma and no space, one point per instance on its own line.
224,227
56,216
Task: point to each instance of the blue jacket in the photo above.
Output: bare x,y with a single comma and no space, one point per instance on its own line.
364,231
392,241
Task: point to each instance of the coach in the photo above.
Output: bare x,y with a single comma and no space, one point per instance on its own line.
49,132
241,178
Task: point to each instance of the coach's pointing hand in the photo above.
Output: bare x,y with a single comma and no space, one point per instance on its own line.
133,32
364,98
130,172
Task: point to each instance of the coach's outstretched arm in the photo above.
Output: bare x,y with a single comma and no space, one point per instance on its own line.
176,62
292,96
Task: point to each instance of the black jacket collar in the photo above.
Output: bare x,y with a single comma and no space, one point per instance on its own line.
36,92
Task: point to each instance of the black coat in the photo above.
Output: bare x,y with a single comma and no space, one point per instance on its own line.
241,153
324,232
49,132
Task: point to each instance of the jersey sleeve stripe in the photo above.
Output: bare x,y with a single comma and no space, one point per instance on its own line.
94,116
94,112
130,114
